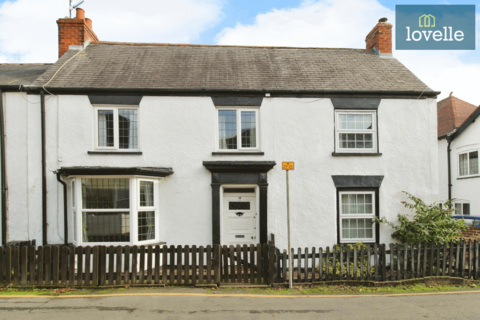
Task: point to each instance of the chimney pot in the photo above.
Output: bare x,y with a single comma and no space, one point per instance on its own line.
89,23
80,13
383,20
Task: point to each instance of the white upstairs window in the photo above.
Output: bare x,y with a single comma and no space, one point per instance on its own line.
116,128
355,131
237,129
468,164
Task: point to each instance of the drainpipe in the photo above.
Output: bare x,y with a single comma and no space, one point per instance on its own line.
44,171
65,224
3,184
450,137
449,169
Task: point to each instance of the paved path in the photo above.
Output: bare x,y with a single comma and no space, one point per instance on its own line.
199,306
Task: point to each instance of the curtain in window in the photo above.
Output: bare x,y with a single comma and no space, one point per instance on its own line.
84,227
151,226
227,124
105,128
102,129
127,121
463,163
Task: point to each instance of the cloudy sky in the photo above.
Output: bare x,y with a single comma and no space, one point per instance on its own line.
28,32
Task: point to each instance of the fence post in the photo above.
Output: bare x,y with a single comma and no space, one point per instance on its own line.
384,262
271,262
216,263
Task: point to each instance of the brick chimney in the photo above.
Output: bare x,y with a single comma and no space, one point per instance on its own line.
74,32
380,38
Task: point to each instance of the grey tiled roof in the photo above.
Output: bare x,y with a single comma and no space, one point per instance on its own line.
163,66
21,73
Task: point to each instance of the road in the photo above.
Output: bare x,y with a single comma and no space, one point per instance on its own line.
201,306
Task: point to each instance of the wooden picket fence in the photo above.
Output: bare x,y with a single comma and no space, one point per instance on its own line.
376,263
55,266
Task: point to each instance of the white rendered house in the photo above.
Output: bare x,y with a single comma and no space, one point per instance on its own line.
183,144
458,148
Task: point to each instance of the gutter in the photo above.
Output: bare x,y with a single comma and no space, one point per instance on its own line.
197,91
44,171
65,213
3,184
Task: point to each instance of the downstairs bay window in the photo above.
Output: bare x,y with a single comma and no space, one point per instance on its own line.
117,210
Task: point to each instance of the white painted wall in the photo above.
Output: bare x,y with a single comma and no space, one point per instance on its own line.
464,190
180,132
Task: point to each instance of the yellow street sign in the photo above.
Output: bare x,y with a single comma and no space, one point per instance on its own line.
288,166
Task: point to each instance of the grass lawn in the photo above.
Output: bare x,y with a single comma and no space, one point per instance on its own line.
297,290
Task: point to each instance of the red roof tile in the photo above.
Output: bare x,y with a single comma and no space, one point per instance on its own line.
452,113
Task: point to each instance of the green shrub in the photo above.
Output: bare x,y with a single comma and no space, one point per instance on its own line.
429,224
359,246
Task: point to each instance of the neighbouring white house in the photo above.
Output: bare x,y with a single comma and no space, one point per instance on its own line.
458,147
131,143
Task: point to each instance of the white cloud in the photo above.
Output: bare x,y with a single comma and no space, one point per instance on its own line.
344,24
28,29
329,23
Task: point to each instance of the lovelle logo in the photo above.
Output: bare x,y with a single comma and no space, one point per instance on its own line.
435,27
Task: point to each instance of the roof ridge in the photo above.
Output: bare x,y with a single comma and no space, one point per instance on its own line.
218,45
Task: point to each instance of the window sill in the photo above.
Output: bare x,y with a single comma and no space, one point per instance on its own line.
356,154
462,178
238,153
132,153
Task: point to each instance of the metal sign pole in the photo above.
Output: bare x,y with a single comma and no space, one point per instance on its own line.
290,256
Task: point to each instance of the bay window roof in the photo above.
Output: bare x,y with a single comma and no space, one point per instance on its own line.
125,171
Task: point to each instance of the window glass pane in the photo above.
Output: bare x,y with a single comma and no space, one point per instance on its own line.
343,121
458,208
146,225
474,162
345,228
463,164
74,225
105,193
127,126
367,121
105,128
368,208
249,135
73,194
106,226
357,203
350,121
355,121
146,194
227,124
356,141
368,198
235,205
466,209
357,228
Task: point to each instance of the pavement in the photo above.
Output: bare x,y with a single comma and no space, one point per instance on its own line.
181,305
